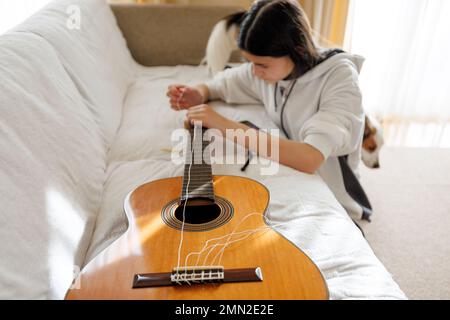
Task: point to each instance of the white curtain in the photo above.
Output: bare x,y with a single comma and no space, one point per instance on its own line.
13,12
407,47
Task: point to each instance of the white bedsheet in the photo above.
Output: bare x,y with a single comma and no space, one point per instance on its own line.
317,223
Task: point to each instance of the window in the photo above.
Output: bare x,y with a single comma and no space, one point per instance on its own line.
405,76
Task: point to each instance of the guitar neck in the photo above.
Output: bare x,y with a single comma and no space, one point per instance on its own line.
197,178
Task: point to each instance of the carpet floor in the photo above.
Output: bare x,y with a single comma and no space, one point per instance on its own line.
410,229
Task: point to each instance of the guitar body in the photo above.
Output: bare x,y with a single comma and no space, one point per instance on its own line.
150,245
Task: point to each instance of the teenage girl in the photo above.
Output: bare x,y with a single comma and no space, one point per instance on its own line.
312,94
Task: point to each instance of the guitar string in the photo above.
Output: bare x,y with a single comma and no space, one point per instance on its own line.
187,188
246,234
233,233
205,247
187,196
183,224
234,230
250,232
228,242
221,252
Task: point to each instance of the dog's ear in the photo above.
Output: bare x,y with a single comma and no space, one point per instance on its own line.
369,128
366,125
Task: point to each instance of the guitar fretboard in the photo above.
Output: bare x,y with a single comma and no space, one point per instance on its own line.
197,178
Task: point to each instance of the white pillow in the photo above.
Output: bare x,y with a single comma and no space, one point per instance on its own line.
52,170
96,55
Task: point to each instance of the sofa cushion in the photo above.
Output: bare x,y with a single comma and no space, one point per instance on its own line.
169,35
52,170
95,55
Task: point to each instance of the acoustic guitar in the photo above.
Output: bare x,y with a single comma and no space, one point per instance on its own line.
200,237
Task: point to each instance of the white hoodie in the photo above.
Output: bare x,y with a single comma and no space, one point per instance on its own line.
324,110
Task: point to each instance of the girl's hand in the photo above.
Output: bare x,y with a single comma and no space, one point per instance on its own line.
183,97
209,118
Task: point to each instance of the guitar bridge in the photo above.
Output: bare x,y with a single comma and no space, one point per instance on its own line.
197,276
191,275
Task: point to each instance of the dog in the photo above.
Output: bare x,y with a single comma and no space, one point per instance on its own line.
221,44
373,141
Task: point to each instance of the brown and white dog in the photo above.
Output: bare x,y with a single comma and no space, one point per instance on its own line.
373,141
221,44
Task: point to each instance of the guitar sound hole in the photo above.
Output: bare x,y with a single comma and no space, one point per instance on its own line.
210,215
198,211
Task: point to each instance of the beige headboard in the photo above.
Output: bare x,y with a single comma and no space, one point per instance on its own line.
168,34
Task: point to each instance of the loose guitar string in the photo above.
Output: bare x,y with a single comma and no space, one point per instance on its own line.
246,234
182,228
233,233
184,208
187,195
205,247
228,243
250,231
212,264
220,253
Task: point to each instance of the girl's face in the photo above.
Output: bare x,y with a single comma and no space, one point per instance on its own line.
270,69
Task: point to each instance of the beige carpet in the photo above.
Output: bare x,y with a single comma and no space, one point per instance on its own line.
410,231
